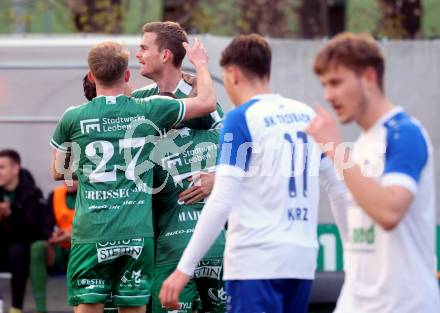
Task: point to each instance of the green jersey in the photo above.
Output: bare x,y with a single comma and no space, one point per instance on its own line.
183,153
111,139
182,91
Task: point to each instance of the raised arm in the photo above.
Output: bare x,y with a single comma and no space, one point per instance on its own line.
337,194
387,203
205,100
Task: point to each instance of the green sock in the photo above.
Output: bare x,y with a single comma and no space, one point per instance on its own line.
38,274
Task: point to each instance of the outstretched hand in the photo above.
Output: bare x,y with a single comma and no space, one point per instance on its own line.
196,54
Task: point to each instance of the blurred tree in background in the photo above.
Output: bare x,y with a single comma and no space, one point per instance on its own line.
183,12
96,16
70,16
400,18
311,18
265,17
403,19
320,18
273,18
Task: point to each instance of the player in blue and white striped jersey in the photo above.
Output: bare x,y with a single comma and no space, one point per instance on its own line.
266,187
389,234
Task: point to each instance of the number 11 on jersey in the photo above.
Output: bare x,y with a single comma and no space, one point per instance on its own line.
292,180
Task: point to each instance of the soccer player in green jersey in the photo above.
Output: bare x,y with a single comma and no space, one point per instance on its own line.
182,154
110,140
160,55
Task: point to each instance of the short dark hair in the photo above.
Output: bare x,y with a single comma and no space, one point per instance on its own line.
251,53
169,35
89,88
12,155
354,51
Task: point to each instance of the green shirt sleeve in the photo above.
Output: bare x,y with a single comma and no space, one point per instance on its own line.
61,137
164,112
206,122
209,121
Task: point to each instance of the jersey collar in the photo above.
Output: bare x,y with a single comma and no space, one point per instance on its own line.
383,119
266,96
183,86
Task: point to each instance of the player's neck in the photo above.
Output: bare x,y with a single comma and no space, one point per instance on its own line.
250,90
110,91
377,107
168,80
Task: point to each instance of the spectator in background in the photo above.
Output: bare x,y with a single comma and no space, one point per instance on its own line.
24,219
55,252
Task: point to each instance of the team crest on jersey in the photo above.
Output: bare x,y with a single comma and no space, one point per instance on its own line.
113,249
90,125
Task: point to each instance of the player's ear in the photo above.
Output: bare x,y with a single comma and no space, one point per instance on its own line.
230,74
127,75
370,75
90,77
235,74
167,55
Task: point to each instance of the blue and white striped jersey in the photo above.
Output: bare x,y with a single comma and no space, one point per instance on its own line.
272,226
393,271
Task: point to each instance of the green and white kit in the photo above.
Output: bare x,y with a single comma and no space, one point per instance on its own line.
111,139
119,270
181,154
182,91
